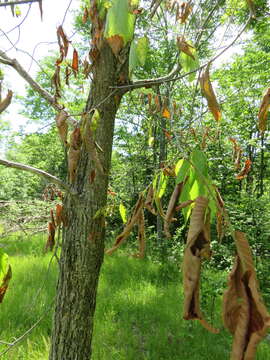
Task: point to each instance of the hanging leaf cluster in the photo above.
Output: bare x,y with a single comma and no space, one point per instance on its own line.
55,221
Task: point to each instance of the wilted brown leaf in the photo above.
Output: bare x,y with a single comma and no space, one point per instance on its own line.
51,237
244,313
209,94
131,222
76,139
243,173
171,209
63,41
184,46
75,61
6,102
116,43
157,102
263,111
149,202
62,125
197,247
185,10
73,159
85,15
56,81
58,214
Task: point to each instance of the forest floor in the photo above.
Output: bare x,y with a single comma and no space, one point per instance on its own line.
138,316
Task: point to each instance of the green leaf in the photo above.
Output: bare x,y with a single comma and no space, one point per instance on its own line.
162,185
181,170
133,58
120,21
199,161
188,63
4,265
151,141
142,50
95,121
123,212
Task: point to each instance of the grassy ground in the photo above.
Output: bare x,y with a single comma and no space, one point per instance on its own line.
138,312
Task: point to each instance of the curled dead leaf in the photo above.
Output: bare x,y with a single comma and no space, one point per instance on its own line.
73,160
209,94
197,247
243,173
263,111
129,225
75,61
244,313
62,125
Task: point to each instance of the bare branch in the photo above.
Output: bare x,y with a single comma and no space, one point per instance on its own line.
19,2
6,102
5,59
171,76
150,82
36,171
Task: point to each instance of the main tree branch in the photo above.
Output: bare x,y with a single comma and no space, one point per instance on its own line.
146,83
36,171
5,59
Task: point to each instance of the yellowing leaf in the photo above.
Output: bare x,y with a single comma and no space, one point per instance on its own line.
123,212
264,108
166,113
5,274
209,94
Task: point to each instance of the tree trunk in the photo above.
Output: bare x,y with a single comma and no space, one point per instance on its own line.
83,237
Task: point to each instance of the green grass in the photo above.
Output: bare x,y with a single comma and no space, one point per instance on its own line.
138,312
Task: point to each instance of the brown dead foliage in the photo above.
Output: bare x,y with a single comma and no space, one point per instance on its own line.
197,248
58,214
263,111
62,125
243,173
244,313
209,94
51,237
116,43
131,222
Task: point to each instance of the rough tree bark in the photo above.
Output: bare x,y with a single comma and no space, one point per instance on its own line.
83,238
